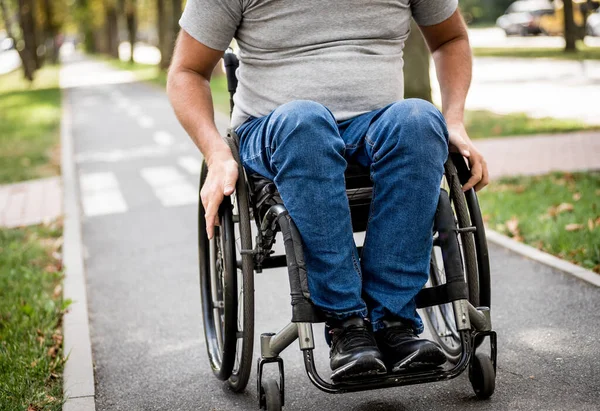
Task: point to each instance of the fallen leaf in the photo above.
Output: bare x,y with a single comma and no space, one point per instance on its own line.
32,408
564,207
520,189
58,338
590,224
33,364
577,196
52,351
573,227
57,291
512,226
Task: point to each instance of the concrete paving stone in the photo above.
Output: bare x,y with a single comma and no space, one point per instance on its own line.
80,404
541,154
34,203
13,213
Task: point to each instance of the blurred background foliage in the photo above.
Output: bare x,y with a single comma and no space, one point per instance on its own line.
483,11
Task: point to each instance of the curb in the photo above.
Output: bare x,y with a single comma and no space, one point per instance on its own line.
78,383
542,257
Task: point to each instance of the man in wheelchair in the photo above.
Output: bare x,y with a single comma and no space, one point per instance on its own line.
321,86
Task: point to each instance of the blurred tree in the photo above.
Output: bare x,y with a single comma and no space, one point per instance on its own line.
168,13
84,14
129,9
417,83
483,11
111,28
570,28
51,27
24,36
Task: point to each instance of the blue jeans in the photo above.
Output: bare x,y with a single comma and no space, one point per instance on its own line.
302,148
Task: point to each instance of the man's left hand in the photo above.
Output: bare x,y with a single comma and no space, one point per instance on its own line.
460,141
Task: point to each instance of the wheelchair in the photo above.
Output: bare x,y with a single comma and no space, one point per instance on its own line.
455,300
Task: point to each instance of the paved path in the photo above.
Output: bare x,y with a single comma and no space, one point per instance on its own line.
541,154
138,176
30,202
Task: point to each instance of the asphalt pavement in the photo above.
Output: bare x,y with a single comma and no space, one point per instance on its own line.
138,176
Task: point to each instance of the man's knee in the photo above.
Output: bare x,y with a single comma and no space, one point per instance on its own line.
416,125
301,113
305,123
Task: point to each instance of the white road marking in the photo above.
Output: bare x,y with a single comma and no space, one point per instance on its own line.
170,186
134,110
162,138
190,164
123,104
150,151
100,194
145,121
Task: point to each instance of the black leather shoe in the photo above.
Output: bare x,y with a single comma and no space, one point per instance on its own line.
403,351
354,353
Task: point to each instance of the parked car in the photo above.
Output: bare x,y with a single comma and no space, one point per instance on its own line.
522,17
592,26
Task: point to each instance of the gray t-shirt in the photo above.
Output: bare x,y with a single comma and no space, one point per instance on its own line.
346,55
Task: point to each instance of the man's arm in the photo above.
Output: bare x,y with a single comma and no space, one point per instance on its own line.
449,45
188,88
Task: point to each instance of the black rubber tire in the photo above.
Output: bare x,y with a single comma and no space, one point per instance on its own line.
272,394
243,365
482,376
473,248
221,354
458,198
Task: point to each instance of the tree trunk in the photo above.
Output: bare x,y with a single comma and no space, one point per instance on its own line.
28,29
165,32
416,66
86,27
570,29
131,19
177,10
26,61
112,31
50,31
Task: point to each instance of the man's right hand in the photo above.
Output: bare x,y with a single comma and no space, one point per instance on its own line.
220,181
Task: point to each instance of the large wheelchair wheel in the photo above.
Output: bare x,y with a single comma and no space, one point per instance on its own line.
245,287
474,256
227,288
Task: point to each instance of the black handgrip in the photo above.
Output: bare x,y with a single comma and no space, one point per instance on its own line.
231,65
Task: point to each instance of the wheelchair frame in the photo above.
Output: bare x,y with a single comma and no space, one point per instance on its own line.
459,291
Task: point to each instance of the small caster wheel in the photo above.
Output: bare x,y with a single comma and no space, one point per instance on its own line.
482,376
271,394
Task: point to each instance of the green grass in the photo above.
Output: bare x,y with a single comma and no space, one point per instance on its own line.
31,309
482,124
29,125
558,213
583,53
